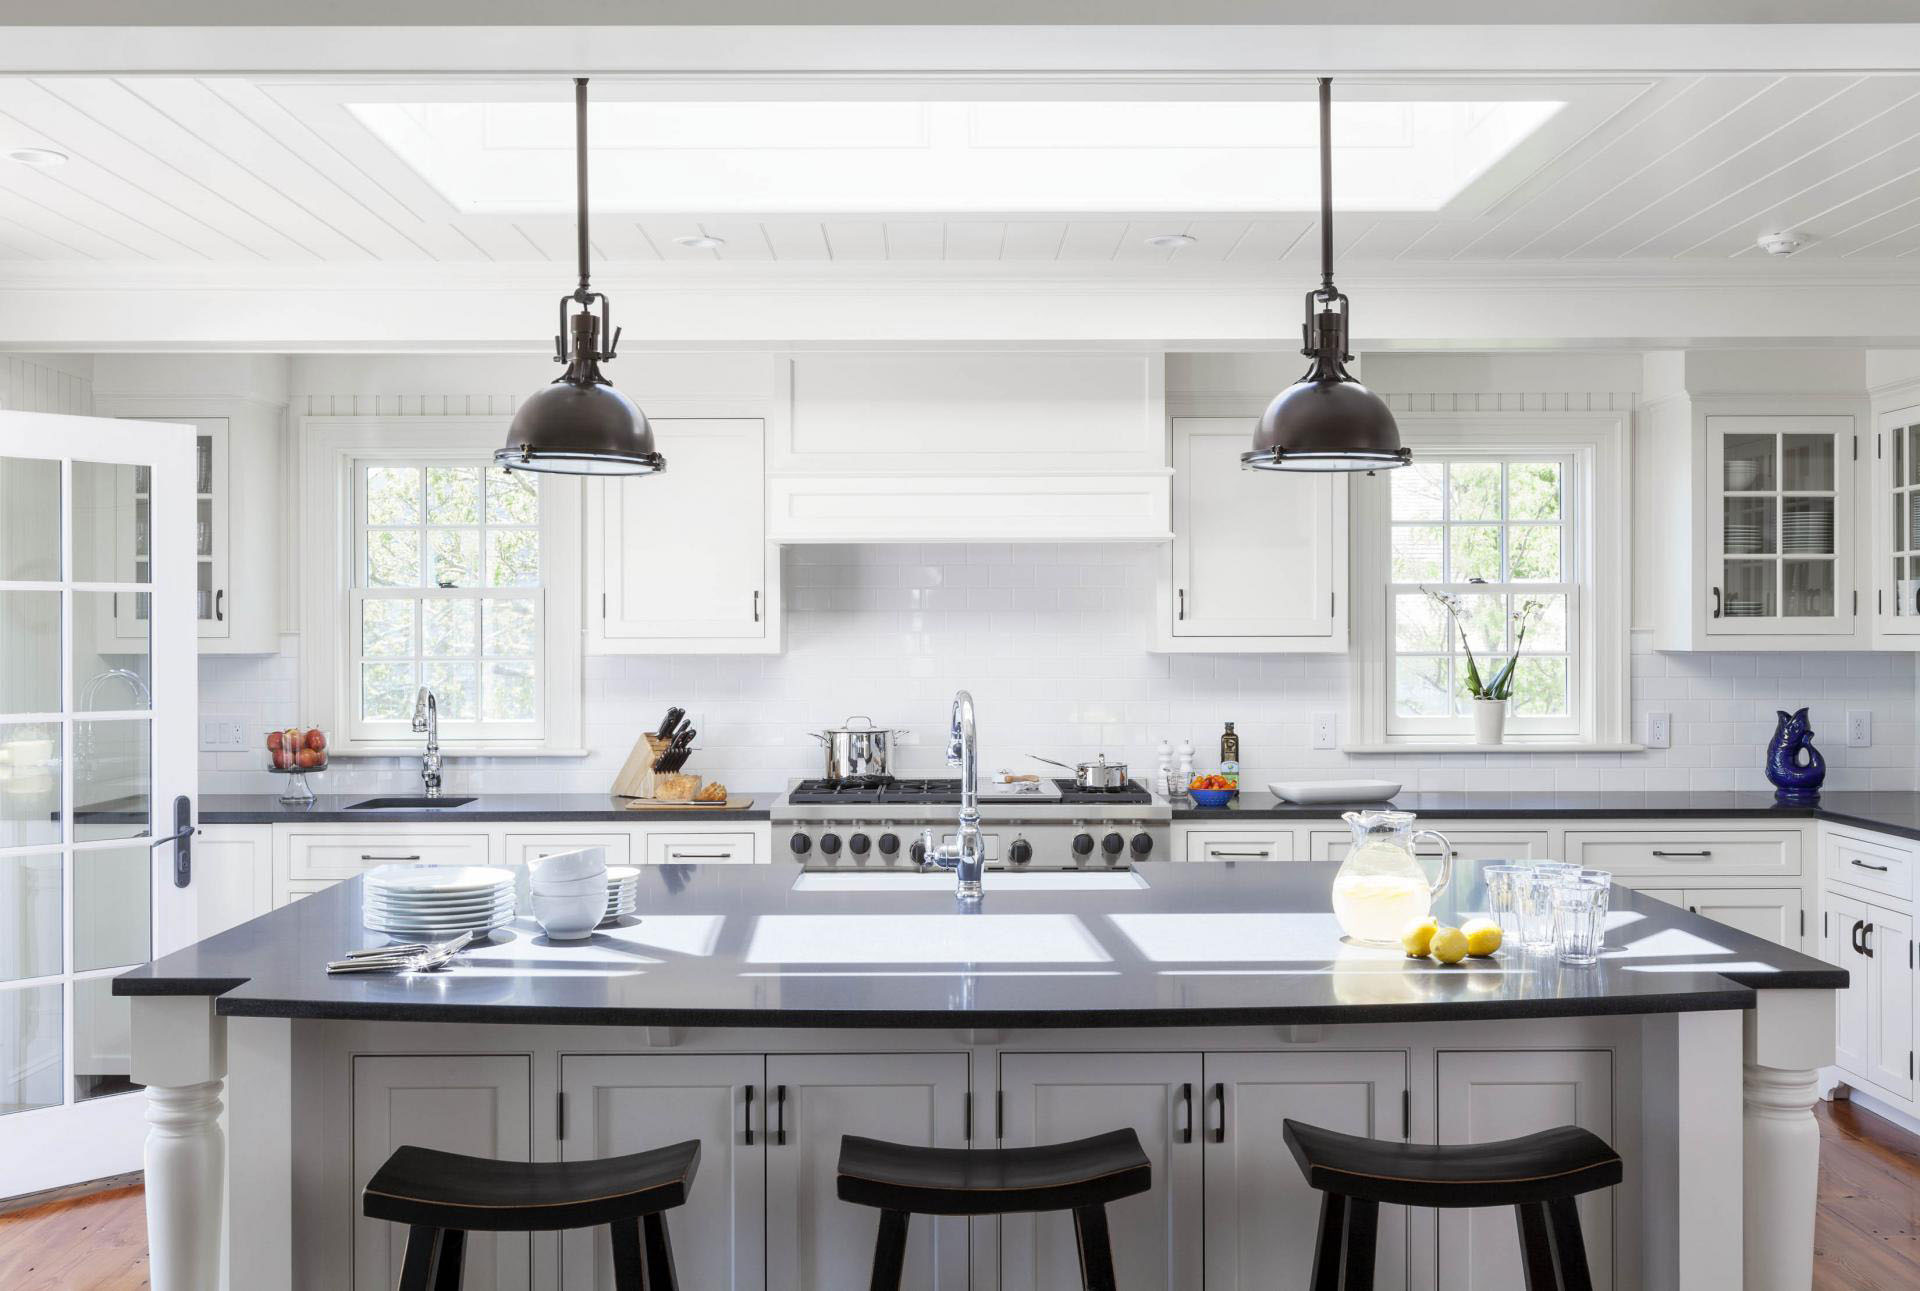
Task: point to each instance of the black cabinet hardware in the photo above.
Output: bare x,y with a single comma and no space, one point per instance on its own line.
1880,869
1186,1102
1220,1097
746,1116
780,1115
1675,855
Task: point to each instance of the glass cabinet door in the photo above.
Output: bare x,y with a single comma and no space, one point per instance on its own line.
1777,502
210,539
1900,479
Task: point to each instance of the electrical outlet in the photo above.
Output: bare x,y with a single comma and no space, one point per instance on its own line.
1326,731
1859,728
1659,730
222,735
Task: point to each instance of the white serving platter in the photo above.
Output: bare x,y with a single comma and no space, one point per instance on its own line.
1314,792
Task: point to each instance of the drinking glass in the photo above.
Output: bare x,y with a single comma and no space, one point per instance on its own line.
1580,921
1537,909
1605,879
1504,899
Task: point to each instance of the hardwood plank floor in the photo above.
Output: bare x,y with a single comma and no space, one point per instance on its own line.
1866,1236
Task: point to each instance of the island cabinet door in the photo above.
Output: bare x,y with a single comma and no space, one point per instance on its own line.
1051,1098
620,1103
815,1241
1840,937
1890,956
477,1104
1497,1095
1262,1218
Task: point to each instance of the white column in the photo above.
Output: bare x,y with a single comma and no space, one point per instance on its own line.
1788,1037
180,1055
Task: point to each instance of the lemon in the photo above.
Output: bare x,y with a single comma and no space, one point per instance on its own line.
1483,937
1449,945
1417,936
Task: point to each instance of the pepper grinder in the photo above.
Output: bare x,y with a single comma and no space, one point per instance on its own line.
1163,776
1186,765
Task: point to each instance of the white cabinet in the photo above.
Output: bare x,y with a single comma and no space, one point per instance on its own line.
815,1241
1468,844
1772,913
704,847
1686,852
1261,1217
620,1103
681,564
232,876
1840,925
1157,1237
1258,561
1483,1096
476,1104
1895,549
1234,844
1875,1027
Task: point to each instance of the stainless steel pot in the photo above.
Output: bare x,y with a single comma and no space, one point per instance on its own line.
857,750
1097,774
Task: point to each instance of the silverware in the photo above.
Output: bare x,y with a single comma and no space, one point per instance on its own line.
402,958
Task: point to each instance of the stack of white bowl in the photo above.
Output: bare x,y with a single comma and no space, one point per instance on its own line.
570,892
436,900
623,892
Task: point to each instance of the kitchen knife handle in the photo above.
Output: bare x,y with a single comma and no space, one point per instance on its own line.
1186,1103
780,1115
746,1116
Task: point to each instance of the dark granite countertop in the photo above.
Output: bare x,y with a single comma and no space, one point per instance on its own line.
487,808
1888,813
1198,945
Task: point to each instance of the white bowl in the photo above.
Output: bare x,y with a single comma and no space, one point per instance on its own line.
571,887
569,918
581,863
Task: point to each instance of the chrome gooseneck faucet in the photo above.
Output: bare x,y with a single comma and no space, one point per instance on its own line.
426,717
967,857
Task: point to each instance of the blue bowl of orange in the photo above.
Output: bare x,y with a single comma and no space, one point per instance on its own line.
1210,797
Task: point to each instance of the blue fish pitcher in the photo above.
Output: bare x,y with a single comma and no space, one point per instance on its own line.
1793,764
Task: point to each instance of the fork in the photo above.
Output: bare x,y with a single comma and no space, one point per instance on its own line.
403,958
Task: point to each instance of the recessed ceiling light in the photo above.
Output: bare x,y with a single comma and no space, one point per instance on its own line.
702,241
1172,241
1783,243
39,158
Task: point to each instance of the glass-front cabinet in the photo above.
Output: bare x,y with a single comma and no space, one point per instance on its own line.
1779,511
212,597
1896,526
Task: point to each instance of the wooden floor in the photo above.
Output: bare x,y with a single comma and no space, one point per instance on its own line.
1866,1238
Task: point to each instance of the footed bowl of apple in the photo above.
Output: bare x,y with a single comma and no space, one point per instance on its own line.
293,752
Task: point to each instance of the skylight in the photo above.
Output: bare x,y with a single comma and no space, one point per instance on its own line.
769,157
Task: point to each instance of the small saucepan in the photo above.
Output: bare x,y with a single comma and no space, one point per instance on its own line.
1097,774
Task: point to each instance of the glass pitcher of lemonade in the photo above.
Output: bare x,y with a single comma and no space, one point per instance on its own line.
1381,887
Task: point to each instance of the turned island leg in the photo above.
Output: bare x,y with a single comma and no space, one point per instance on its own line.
179,1054
1788,1037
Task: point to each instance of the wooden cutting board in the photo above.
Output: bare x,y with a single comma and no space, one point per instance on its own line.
649,804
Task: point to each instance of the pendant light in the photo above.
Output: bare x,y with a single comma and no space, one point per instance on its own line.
1326,421
581,425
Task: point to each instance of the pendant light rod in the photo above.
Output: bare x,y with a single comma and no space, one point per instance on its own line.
580,178
1326,184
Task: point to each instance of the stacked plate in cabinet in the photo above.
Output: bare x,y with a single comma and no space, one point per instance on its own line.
1744,538
437,899
623,892
1807,532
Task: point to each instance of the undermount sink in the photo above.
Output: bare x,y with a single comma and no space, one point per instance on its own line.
1010,881
407,804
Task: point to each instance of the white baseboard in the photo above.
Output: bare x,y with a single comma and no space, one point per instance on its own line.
1860,1098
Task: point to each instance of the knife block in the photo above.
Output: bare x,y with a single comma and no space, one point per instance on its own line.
638,779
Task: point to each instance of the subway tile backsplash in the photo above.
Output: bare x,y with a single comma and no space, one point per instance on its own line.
1052,641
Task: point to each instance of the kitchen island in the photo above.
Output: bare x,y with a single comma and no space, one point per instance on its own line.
768,1012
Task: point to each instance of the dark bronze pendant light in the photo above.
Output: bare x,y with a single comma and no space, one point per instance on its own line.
581,425
1326,421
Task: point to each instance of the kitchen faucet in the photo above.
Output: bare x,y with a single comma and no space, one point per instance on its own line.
426,717
967,857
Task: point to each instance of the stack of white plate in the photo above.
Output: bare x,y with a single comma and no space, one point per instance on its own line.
1741,473
1807,531
437,899
1743,538
1745,609
623,892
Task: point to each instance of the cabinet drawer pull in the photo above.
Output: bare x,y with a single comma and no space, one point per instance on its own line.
369,856
1671,855
780,1115
746,1116
1186,1102
1223,854
674,854
1863,865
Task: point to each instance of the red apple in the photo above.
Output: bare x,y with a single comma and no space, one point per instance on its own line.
316,739
276,740
282,759
308,759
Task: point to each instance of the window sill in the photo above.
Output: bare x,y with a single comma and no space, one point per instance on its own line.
1510,746
414,750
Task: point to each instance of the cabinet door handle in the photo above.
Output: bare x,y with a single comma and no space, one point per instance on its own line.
746,1116
1863,865
1672,855
1866,944
219,601
369,856
780,1115
756,607
1220,1097
1183,602
1854,936
1186,1102
1716,602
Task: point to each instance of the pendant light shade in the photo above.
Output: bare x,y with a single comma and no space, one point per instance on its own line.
581,425
1326,421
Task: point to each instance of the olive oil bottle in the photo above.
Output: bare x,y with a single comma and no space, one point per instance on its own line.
1230,757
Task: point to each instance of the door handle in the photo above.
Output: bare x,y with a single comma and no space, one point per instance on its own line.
1854,937
1183,602
780,1115
1716,602
746,1116
182,840
756,607
219,601
1186,1101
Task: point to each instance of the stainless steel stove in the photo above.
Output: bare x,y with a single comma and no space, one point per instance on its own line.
1029,825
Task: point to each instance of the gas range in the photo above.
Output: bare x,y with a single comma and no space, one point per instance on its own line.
1030,825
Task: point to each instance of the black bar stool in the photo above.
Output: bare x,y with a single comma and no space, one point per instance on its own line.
443,1196
1539,1175
1082,1176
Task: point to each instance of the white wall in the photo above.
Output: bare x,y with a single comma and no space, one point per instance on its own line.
60,383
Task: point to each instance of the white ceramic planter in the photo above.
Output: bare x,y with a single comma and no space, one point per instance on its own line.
1489,721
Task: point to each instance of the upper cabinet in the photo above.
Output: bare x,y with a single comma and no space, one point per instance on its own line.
1258,561
680,563
1895,571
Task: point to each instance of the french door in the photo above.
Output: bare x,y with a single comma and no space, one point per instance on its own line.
97,761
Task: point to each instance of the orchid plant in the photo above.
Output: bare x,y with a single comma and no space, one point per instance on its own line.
1522,617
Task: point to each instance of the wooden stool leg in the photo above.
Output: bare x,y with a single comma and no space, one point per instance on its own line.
629,1269
1329,1247
1363,1233
660,1274
1536,1246
890,1251
419,1269
453,1259
1569,1247
1096,1248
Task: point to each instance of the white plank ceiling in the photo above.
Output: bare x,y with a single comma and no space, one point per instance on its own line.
186,170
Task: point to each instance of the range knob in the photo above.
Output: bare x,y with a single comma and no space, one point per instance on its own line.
1082,844
889,844
1142,844
1020,851
800,844
858,844
830,844
1111,844
918,852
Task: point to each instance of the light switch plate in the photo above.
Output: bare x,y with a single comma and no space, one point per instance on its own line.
1326,730
1859,728
222,735
1659,730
